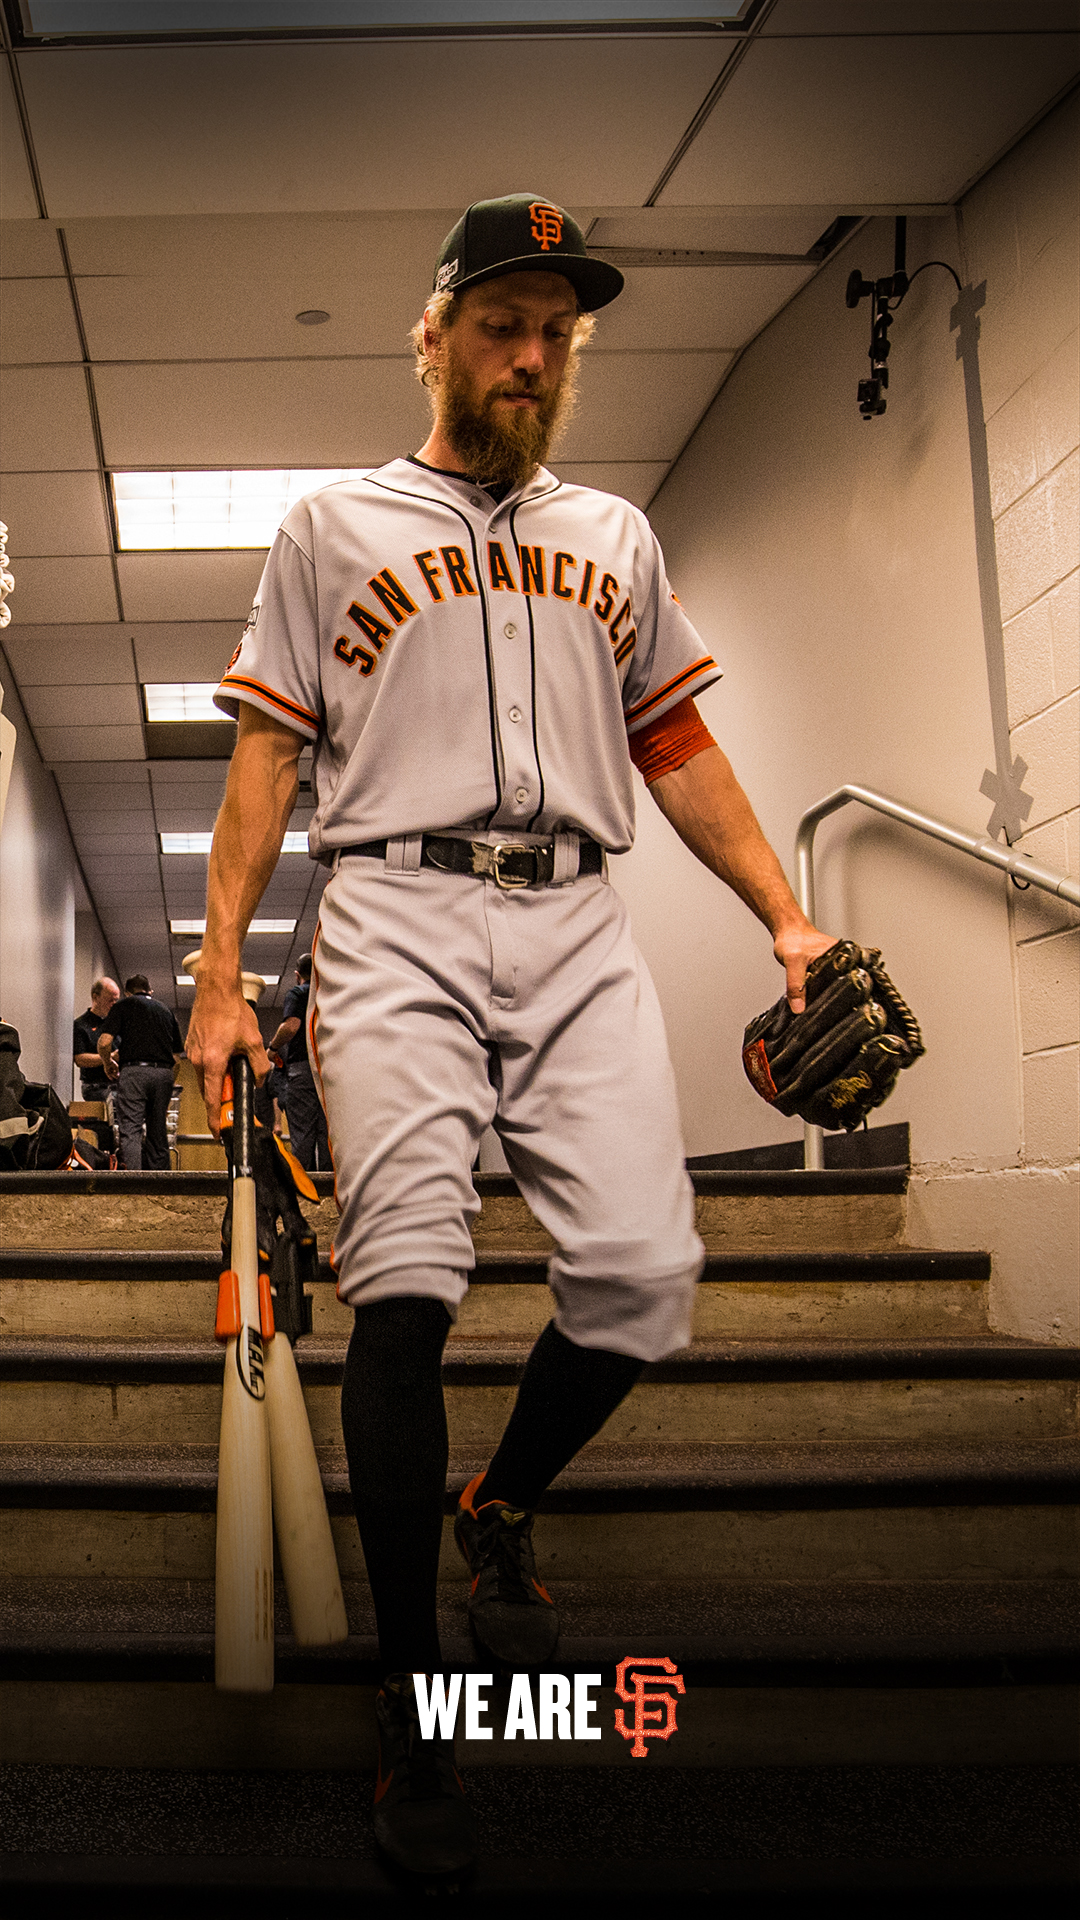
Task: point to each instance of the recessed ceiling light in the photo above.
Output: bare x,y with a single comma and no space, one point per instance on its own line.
313,317
257,926
182,700
201,843
230,507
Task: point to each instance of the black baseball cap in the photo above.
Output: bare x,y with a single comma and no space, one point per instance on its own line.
521,232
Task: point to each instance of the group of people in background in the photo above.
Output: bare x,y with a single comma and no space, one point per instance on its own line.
127,1047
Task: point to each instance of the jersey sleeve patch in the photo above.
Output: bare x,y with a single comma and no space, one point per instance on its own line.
237,687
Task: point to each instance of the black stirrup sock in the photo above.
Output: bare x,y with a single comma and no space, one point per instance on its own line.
566,1394
394,1423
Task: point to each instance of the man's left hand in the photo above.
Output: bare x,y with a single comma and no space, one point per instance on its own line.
795,947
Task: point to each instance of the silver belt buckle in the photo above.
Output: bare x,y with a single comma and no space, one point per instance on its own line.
488,860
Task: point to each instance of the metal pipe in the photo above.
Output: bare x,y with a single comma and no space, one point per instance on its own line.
991,852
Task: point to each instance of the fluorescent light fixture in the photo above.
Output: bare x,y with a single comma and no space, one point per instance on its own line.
240,507
182,700
188,979
201,843
257,926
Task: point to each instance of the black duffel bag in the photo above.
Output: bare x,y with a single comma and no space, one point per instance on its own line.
35,1131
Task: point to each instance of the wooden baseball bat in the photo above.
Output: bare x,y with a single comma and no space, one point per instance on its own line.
305,1542
244,1612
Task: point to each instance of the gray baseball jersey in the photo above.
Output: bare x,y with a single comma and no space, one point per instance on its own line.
462,663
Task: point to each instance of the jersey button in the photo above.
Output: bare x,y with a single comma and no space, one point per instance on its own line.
515,713
521,795
510,630
478,500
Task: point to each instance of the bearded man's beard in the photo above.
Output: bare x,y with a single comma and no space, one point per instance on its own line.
503,447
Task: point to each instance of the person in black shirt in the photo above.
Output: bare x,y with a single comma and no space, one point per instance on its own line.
146,1032
307,1121
104,995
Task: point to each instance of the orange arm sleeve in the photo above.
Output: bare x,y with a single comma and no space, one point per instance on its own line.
669,742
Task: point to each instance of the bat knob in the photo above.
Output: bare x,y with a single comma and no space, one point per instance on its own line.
251,984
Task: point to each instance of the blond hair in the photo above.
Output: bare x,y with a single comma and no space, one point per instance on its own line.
441,312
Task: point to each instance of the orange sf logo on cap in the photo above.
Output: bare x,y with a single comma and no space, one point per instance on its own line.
547,225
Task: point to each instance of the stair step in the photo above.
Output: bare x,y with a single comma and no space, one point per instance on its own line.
777,1632
706,1181
855,1208
125,1393
292,1887
603,1478
489,1362
519,1267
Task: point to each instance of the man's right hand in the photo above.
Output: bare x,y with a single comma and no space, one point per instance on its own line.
222,1024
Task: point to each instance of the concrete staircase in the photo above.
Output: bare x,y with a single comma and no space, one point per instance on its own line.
844,1513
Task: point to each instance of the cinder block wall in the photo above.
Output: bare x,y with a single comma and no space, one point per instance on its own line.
830,564
1021,234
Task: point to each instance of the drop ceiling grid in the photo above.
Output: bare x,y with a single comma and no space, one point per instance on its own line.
185,285
276,128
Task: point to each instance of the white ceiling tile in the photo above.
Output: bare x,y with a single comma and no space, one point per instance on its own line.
49,591
641,406
869,120
185,651
205,775
90,743
46,417
54,513
37,322
700,307
635,481
29,246
110,822
52,656
82,706
18,200
919,16
229,287
300,413
104,773
189,586
181,816
310,128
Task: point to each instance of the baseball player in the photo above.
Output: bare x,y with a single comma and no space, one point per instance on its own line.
478,654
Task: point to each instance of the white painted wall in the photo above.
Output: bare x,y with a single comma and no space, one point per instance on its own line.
39,885
830,565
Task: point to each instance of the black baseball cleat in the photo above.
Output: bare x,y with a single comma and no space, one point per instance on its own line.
512,1615
422,1820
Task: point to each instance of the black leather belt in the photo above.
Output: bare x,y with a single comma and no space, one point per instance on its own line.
508,864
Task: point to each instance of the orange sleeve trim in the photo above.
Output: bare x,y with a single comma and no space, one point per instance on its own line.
288,708
671,686
669,742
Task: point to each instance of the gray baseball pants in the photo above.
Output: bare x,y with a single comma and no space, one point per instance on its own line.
442,1004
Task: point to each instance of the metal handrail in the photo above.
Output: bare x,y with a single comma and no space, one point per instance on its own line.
992,852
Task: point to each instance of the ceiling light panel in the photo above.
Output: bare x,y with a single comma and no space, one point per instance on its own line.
201,843
182,700
244,507
257,926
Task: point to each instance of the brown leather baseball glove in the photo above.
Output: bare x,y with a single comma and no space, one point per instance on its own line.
839,1059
